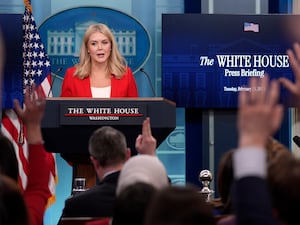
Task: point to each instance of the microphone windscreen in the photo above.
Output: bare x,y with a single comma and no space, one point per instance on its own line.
296,140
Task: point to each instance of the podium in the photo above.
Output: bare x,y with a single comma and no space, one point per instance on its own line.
69,122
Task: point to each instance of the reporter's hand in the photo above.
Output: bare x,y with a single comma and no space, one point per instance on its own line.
259,114
145,143
294,59
32,113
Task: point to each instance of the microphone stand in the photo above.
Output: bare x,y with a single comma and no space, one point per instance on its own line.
149,80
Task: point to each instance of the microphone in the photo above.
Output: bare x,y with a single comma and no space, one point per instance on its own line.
149,80
296,140
54,76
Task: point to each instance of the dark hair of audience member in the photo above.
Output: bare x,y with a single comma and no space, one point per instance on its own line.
131,204
8,159
108,146
284,183
179,205
13,210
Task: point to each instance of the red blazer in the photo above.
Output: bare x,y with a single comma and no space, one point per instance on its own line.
72,86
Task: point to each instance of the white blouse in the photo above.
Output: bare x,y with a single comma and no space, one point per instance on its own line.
101,92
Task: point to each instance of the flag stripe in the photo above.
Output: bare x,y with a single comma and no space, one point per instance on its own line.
46,87
10,127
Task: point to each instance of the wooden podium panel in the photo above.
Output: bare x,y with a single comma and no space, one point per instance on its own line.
69,122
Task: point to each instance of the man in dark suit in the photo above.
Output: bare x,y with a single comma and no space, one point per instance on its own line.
108,153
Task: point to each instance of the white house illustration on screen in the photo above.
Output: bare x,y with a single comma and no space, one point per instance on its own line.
68,42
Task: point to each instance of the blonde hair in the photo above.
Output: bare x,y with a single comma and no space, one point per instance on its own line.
116,63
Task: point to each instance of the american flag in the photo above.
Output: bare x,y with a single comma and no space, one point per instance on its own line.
36,69
252,27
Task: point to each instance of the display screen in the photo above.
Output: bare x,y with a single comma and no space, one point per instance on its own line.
12,87
207,59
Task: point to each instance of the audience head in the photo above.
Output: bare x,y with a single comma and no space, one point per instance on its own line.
8,158
108,146
143,168
284,183
12,205
131,204
178,205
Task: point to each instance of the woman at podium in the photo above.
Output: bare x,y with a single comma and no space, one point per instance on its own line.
102,72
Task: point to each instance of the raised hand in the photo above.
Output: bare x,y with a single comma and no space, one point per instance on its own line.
32,113
145,143
259,114
294,58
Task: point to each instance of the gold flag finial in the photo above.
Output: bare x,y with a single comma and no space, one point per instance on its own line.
28,5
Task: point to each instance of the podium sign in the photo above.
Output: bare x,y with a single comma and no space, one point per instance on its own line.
69,122
102,113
